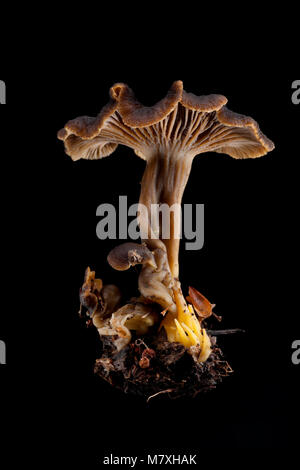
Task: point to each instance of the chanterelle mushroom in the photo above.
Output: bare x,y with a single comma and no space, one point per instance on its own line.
167,136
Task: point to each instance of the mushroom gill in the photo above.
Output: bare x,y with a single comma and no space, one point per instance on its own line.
167,136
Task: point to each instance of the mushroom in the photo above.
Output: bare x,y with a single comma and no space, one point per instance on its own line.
167,136
110,301
155,281
90,293
100,301
135,316
129,254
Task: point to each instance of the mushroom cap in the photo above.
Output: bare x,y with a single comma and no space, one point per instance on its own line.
122,257
180,121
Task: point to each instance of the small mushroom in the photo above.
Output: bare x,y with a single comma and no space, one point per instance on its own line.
124,256
155,281
167,136
89,294
110,297
134,316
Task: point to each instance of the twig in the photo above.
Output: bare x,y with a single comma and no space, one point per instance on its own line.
224,332
169,390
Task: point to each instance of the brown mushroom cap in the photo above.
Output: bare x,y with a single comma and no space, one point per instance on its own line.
129,254
181,121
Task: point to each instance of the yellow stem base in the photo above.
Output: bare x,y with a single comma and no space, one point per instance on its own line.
185,328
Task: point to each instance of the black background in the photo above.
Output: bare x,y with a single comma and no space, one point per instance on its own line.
248,267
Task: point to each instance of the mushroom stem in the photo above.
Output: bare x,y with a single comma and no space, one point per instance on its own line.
162,187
